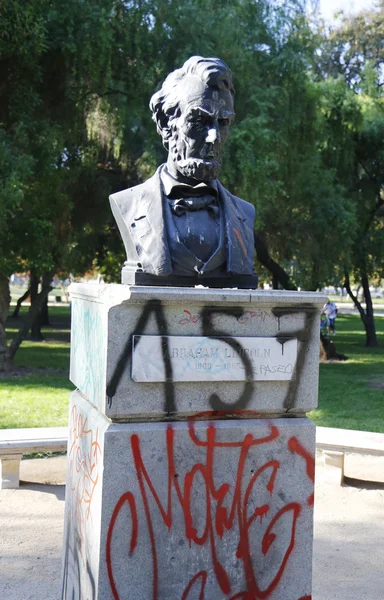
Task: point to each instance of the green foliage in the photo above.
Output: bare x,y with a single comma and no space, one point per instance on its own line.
351,62
14,169
355,49
55,58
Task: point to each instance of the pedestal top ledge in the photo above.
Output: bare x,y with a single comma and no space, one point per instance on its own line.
112,294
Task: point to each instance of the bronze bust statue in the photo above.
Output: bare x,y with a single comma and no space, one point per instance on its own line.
181,226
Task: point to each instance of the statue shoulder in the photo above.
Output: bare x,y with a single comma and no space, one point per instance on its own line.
126,199
243,207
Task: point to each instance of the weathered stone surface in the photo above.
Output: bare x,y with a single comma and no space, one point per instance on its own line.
179,511
106,317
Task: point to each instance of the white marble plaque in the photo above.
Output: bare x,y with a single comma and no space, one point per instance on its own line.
190,358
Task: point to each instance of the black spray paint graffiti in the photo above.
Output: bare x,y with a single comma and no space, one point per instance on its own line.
208,331
207,314
72,557
303,335
155,307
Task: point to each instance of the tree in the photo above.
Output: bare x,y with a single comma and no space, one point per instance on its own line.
52,58
368,250
351,64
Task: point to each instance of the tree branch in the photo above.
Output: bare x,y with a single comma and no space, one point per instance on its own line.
265,259
15,313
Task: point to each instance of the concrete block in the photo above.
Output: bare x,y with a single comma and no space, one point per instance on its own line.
334,466
107,317
213,510
10,471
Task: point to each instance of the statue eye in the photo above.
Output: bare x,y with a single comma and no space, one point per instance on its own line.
223,122
197,121
201,120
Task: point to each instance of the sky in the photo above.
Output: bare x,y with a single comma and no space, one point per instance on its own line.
329,7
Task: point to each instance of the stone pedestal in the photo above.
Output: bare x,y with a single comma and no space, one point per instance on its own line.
186,478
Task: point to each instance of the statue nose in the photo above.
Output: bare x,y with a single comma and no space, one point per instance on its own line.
213,135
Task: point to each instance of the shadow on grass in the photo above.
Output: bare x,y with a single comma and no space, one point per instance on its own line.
43,355
31,381
59,328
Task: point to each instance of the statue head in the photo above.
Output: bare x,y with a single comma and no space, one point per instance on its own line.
193,112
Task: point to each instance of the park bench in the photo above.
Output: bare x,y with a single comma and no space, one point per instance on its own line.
335,443
16,442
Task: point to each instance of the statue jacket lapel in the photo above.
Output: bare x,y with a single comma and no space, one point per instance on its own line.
239,218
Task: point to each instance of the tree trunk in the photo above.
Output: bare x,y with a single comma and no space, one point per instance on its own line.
36,334
44,314
32,315
5,299
33,285
367,315
315,276
15,313
278,273
369,323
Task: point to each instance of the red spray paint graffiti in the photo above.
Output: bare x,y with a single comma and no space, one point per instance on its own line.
295,447
249,315
240,513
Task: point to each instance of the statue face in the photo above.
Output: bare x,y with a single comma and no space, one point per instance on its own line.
199,133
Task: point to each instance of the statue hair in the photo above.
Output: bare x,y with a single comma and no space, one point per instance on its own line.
164,104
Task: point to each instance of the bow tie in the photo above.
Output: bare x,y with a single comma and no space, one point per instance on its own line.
188,198
183,190
183,205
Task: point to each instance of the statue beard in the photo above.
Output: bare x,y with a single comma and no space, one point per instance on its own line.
199,168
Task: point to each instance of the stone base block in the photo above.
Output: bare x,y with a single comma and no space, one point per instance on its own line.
198,510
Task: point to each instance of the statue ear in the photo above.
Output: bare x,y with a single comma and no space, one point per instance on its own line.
164,122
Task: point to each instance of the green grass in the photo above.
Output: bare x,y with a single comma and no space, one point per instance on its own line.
40,398
345,398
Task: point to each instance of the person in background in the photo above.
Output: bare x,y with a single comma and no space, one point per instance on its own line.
330,311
